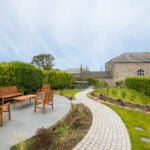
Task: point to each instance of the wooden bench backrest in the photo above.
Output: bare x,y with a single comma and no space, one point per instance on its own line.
0,91
8,90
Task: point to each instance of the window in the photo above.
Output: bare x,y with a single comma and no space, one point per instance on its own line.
140,72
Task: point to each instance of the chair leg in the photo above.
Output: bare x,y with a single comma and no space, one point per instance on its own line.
1,119
35,106
9,112
2,101
43,108
52,107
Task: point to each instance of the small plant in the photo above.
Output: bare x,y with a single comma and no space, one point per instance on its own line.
63,129
92,81
123,94
100,85
114,92
61,93
120,83
43,139
107,91
70,97
22,146
133,97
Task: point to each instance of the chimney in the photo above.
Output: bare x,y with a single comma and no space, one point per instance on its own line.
81,68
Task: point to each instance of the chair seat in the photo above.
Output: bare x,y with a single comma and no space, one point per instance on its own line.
11,95
41,101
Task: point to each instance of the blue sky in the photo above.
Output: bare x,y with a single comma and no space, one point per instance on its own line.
88,32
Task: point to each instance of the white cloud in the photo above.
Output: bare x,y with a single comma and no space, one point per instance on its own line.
74,31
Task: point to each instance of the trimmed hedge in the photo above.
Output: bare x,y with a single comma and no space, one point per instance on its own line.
141,84
28,78
58,79
25,76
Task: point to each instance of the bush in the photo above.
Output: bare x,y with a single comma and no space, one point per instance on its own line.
141,84
114,92
44,138
120,83
25,76
123,94
100,84
58,79
91,81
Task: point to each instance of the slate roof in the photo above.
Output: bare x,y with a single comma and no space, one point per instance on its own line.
143,57
97,74
76,70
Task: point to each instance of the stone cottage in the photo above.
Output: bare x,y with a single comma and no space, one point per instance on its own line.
128,64
118,68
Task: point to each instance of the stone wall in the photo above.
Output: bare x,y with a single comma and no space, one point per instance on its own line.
109,66
109,81
120,71
123,70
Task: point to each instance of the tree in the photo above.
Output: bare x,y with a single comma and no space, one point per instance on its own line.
44,61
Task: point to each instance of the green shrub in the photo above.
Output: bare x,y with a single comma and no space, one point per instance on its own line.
44,138
123,94
25,76
120,83
141,84
100,84
91,81
58,79
114,92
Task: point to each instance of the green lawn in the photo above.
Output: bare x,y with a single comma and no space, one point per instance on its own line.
126,95
134,119
68,93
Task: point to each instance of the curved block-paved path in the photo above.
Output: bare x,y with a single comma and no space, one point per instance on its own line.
107,132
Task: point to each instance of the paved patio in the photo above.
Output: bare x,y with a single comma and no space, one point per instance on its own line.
107,132
25,122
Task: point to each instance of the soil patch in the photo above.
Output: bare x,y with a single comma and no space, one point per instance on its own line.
143,108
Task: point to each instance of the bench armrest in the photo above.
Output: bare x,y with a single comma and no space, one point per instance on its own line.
7,104
20,91
39,90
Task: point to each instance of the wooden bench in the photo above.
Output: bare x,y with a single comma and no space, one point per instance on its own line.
7,93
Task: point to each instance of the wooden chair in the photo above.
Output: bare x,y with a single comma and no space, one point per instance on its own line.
45,88
3,109
47,100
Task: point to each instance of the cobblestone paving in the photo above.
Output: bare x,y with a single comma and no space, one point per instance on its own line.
107,132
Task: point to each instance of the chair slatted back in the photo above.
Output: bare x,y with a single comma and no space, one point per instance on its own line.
46,87
48,97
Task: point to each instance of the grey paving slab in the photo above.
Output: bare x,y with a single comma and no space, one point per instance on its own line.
107,131
25,121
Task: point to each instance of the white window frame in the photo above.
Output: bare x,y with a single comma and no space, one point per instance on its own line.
140,72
